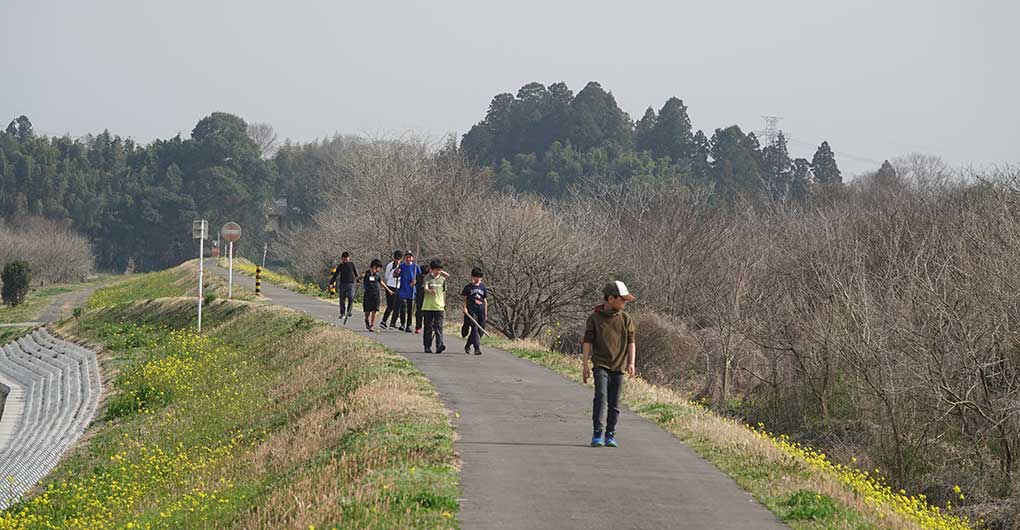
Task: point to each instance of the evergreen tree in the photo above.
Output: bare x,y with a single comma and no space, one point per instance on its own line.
596,120
644,130
801,180
699,167
777,168
734,165
672,135
886,175
528,109
16,277
824,167
20,127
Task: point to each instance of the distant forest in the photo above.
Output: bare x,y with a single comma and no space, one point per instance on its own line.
135,202
547,140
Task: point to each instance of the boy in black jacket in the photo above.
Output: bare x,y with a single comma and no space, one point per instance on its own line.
347,273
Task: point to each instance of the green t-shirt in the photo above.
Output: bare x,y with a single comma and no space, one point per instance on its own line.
434,301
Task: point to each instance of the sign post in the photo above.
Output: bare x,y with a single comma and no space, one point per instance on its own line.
231,232
200,231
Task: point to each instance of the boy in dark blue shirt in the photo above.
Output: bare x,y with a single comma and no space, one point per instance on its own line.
409,271
476,307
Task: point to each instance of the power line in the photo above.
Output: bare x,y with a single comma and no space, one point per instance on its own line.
844,154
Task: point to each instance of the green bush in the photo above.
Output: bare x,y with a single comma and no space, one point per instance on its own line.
16,277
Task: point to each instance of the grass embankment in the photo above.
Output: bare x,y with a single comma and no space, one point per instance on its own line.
247,268
178,281
34,304
267,420
800,485
7,334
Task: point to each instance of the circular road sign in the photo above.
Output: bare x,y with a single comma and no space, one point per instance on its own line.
231,231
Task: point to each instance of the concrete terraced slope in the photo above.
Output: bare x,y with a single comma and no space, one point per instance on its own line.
522,436
54,389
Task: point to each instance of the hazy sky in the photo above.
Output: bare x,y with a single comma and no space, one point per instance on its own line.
875,78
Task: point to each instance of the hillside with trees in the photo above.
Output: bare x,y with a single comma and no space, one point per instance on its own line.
547,140
136,203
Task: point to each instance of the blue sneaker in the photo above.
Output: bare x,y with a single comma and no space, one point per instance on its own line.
611,440
596,440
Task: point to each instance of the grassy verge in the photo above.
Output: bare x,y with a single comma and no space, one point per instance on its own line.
178,281
34,304
800,485
9,334
267,420
247,268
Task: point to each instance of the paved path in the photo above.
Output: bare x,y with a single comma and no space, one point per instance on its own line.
65,303
61,306
523,438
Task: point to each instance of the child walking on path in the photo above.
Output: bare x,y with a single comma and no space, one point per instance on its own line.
347,273
409,271
419,299
373,284
392,275
609,345
476,306
434,306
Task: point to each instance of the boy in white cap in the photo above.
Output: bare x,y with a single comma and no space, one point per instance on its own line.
609,346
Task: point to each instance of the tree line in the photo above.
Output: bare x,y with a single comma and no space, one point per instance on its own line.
135,203
548,140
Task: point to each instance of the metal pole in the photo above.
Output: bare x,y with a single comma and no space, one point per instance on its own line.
230,275
201,271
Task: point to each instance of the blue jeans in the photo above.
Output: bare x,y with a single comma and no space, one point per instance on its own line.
346,292
608,385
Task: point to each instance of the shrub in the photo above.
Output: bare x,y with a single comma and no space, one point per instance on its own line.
16,277
56,253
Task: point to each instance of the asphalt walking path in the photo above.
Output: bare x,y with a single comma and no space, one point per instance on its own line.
523,435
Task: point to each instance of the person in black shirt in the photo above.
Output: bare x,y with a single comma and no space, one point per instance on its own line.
347,274
476,306
372,284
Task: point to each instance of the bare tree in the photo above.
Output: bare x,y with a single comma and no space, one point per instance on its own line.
540,271
264,137
55,252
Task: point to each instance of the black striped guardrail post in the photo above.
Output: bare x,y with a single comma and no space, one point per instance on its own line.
258,280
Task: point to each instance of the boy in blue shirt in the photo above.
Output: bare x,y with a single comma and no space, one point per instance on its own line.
409,271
